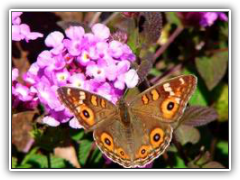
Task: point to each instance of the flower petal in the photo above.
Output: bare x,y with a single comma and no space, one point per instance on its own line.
131,78
101,31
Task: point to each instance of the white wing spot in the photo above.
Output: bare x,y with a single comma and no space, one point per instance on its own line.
82,93
182,81
82,96
78,109
177,100
69,92
166,86
168,89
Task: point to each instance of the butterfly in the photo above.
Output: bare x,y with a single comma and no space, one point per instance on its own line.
133,133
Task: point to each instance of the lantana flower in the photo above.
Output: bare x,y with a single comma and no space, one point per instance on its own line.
204,19
91,61
22,31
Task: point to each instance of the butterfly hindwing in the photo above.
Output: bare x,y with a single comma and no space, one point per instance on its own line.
112,139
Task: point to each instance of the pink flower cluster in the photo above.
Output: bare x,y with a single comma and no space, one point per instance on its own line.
22,31
208,18
204,19
90,61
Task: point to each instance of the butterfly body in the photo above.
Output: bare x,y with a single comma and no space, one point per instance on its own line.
123,111
133,133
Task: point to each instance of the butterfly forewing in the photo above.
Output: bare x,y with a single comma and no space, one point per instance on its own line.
88,108
165,101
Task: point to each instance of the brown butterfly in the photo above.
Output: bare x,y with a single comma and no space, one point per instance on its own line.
133,133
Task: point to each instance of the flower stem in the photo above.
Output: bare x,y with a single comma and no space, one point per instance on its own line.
166,73
180,151
111,17
49,159
170,40
95,18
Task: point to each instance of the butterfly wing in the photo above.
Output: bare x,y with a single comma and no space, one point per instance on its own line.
135,145
90,109
112,139
150,139
165,101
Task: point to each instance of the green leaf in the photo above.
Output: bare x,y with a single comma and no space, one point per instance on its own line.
212,69
198,98
57,162
76,134
14,162
203,160
29,155
133,40
173,18
185,134
25,166
224,30
198,116
179,163
38,160
221,103
84,150
96,156
155,72
41,161
172,148
192,165
223,146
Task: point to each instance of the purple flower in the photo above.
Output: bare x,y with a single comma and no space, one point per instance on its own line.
78,80
97,71
115,49
131,78
23,92
208,18
51,121
105,90
116,68
75,33
45,59
22,31
16,20
74,123
85,60
15,74
101,31
61,77
203,19
54,40
47,95
56,118
119,83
